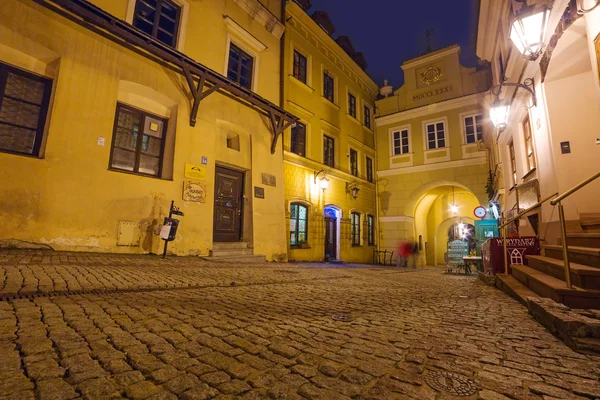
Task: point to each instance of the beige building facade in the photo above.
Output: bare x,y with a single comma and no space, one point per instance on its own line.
432,169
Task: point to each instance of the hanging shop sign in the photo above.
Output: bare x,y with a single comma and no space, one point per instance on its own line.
194,192
517,250
194,171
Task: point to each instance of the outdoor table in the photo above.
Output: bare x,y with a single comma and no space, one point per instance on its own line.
470,260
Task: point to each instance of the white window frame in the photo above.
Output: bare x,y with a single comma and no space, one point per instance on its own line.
392,146
183,19
463,125
436,121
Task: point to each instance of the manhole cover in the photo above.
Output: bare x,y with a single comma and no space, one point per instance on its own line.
342,317
456,384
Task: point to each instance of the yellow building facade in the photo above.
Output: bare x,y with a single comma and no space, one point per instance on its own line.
429,153
99,130
332,144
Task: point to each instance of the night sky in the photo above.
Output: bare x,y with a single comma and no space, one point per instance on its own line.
391,31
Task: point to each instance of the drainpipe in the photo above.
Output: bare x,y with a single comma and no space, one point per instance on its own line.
282,69
376,168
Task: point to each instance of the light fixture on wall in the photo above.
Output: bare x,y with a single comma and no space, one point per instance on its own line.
501,108
528,29
582,10
323,181
353,189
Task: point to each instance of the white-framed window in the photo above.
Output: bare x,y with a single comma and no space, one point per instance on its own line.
473,128
436,135
400,141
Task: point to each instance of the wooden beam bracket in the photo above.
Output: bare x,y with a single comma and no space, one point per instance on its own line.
279,125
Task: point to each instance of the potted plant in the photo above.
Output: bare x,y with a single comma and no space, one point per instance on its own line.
302,244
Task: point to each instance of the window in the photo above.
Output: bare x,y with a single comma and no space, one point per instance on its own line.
351,105
159,19
328,155
400,142
353,162
240,66
513,162
24,102
529,145
299,67
355,221
473,128
299,139
328,87
298,224
369,164
436,136
371,230
367,117
138,141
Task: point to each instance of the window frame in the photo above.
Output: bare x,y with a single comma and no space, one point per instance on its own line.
529,147
367,116
355,228
329,94
296,67
370,230
297,232
352,102
400,131
242,53
138,150
436,132
329,150
294,143
369,169
353,162
477,135
155,23
44,106
513,162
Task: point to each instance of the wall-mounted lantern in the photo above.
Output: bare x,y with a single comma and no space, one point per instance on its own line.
501,109
528,29
323,181
353,189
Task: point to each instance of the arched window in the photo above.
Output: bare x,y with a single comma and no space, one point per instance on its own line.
355,221
298,224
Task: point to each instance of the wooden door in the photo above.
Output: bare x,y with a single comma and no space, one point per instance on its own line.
330,238
229,189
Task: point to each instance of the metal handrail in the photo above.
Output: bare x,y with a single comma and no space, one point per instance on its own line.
519,215
574,189
563,225
536,205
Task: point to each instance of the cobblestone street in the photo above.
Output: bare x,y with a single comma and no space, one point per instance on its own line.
115,326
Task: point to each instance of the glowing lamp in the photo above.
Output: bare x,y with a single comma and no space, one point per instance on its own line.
499,114
324,183
454,208
528,30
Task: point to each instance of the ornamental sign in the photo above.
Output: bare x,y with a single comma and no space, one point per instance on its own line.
194,192
431,75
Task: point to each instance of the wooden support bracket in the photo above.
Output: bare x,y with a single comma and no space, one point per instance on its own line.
198,92
280,124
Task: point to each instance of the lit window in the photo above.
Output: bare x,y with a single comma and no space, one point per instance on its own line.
24,102
436,135
371,230
159,19
355,221
138,142
298,224
473,128
400,142
240,66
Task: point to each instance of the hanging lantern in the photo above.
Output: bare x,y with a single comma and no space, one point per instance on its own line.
499,114
528,31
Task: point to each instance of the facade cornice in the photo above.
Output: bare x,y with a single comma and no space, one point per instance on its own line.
263,16
307,163
429,109
306,27
432,167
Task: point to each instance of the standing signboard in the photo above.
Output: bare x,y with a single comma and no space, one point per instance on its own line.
457,249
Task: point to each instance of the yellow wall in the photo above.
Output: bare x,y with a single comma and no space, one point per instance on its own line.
322,117
68,199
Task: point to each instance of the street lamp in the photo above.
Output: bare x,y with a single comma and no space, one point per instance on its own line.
323,182
499,114
528,30
353,189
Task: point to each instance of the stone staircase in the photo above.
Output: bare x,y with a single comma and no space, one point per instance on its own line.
545,274
234,252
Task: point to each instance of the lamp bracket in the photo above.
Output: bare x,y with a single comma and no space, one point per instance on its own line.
316,174
583,11
528,84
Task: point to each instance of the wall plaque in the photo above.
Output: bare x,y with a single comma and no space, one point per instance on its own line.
194,192
193,171
259,192
269,180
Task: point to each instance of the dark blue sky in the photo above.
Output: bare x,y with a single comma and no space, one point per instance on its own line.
391,31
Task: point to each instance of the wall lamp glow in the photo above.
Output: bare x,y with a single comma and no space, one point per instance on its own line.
323,181
528,29
353,189
501,109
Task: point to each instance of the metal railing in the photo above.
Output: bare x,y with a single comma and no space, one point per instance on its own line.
519,215
563,225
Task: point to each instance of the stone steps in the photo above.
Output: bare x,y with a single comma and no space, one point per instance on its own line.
583,239
582,276
514,288
581,255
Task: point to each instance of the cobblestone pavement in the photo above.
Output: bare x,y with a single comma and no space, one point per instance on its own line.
108,326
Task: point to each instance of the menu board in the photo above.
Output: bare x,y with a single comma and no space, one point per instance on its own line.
457,249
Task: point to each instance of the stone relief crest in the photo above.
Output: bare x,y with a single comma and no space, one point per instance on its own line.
431,75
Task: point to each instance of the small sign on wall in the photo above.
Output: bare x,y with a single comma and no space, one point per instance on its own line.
194,192
269,180
565,147
193,171
259,192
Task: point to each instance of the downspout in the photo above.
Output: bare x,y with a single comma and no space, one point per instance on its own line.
376,168
282,70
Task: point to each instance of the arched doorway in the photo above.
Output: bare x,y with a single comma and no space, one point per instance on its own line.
332,216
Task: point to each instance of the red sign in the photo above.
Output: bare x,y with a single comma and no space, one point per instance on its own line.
516,250
480,212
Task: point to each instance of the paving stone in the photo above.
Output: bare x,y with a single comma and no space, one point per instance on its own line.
128,378
181,383
55,389
215,378
141,390
98,388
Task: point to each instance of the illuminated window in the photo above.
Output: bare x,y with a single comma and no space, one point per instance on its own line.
371,230
298,224
355,221
529,151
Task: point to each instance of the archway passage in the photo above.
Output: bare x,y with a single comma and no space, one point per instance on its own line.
436,212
